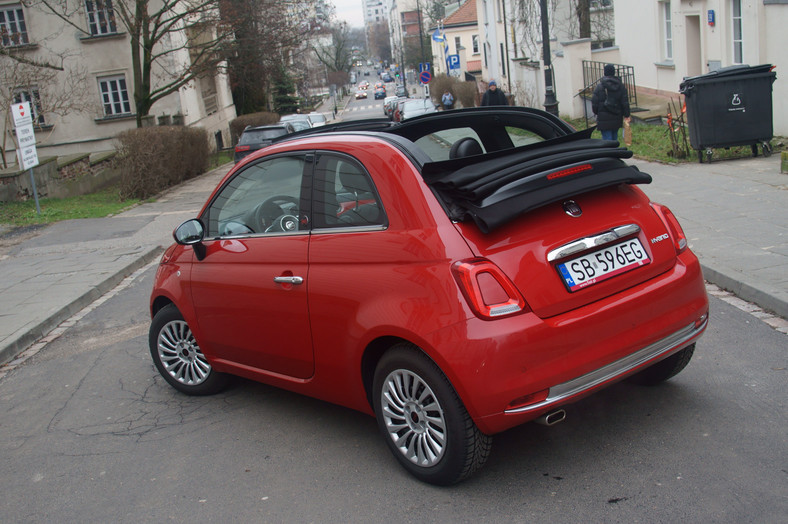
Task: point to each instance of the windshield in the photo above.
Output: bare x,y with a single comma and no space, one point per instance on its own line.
255,136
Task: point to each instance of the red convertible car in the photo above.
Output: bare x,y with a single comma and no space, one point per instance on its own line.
453,275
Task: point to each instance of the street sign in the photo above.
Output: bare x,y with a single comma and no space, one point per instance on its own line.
25,137
425,77
28,157
425,66
21,113
453,61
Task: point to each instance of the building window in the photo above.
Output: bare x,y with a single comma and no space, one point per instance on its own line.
101,17
13,30
667,31
475,44
114,95
737,32
457,45
31,95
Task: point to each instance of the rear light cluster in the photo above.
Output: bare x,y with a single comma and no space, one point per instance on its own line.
672,223
239,149
489,292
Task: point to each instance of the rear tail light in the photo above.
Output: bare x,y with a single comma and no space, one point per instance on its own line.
489,292
238,149
672,223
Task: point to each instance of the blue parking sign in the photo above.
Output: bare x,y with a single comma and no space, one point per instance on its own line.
453,61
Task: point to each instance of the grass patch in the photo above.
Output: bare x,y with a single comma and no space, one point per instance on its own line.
95,205
652,142
220,158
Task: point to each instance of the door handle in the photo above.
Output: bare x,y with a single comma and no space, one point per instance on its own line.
289,280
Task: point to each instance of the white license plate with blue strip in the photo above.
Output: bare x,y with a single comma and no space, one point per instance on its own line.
601,265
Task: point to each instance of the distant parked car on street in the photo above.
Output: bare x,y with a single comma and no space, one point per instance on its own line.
417,106
299,121
317,119
389,104
401,90
254,138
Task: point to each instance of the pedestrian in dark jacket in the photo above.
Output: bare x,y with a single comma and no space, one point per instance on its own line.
494,96
610,104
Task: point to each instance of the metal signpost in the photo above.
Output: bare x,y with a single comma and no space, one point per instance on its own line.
26,153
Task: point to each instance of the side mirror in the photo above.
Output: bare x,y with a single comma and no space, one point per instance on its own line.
191,233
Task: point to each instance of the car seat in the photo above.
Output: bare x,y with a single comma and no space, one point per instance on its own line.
463,147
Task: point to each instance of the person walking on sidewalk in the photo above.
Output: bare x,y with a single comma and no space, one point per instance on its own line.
610,104
447,100
494,96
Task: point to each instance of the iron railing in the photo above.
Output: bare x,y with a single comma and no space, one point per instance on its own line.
593,71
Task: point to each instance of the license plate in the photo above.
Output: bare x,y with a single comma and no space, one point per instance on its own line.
601,265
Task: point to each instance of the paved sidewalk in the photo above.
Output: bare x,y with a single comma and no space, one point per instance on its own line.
735,214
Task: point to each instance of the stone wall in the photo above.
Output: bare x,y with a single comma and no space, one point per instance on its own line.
58,177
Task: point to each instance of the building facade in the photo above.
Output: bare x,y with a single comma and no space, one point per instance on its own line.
85,103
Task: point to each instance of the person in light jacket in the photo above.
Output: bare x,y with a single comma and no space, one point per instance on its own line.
610,104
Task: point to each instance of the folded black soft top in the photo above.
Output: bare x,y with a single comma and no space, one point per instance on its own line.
494,188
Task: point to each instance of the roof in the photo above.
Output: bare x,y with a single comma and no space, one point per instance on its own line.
465,15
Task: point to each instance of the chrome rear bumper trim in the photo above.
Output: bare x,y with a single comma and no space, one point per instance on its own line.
615,369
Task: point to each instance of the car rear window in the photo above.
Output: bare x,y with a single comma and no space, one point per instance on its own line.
255,136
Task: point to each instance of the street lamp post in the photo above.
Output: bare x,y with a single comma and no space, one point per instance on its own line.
550,102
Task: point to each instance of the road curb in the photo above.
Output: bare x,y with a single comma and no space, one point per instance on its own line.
764,299
15,346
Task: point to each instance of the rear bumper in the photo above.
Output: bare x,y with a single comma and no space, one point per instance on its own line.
513,370
581,386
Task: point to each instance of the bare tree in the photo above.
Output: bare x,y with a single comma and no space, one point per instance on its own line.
379,42
336,56
160,31
269,35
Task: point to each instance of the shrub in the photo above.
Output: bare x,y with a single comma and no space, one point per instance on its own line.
152,159
263,118
466,93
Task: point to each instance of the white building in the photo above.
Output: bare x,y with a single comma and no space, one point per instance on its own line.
83,107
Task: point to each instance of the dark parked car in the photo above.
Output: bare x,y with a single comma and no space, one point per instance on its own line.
254,138
380,93
433,275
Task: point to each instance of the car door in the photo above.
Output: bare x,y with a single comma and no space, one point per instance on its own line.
249,290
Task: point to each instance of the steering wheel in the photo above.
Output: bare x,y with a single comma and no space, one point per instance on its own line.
268,214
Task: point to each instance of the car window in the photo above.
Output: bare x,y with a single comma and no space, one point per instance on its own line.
344,195
522,137
255,136
263,198
438,145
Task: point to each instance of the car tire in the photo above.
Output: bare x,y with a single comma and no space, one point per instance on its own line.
423,421
665,369
179,358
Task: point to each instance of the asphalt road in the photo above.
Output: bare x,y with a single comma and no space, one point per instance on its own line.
90,433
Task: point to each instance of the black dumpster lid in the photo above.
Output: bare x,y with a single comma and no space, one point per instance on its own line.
734,70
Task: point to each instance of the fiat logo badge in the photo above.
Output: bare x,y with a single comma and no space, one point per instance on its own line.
572,208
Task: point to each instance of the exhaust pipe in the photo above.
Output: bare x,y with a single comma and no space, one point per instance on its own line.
552,418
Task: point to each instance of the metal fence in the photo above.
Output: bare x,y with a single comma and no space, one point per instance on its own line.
593,71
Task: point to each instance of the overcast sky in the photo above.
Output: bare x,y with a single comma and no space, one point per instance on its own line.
351,11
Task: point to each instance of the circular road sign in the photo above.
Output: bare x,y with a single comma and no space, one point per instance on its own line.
425,77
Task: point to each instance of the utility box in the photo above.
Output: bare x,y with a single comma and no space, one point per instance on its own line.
731,106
